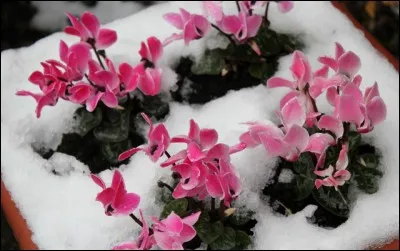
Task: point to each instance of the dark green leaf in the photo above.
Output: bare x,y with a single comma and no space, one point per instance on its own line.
179,206
289,42
263,70
207,231
210,64
354,141
225,241
303,187
365,172
332,155
243,240
331,200
111,150
86,121
267,41
116,128
304,165
240,219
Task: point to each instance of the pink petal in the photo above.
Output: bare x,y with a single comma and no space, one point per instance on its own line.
214,187
109,99
213,9
297,137
126,72
208,138
237,148
219,151
332,124
174,19
128,153
352,90
45,100
280,82
331,94
181,139
339,51
164,241
98,181
275,147
301,69
91,22
172,38
129,245
371,92
174,158
349,110
187,233
37,97
248,140
185,15
37,78
191,219
72,31
151,82
159,131
183,169
179,192
341,176
63,51
106,196
83,31
357,80
285,6
126,203
117,180
155,48
343,159
173,223
253,25
376,110
322,72
194,152
106,38
293,113
201,24
319,142
288,97
231,24
189,32
194,130
325,173
328,61
349,64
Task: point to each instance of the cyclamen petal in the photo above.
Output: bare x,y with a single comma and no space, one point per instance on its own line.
91,22
349,110
285,6
208,138
343,159
376,110
280,82
349,64
297,137
319,142
293,113
194,152
106,38
332,124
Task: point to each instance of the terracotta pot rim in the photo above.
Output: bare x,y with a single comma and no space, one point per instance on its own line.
22,232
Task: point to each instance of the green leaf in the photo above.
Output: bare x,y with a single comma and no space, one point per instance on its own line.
331,200
111,150
304,165
366,174
332,155
243,240
211,63
116,128
303,181
87,120
267,41
179,206
239,219
354,142
207,231
289,42
263,70
225,241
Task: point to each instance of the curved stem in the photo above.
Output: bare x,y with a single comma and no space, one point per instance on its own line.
341,196
266,14
167,154
97,55
237,5
139,222
222,211
162,184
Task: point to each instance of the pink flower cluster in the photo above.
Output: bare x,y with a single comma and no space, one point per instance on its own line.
78,78
298,110
168,234
203,166
241,27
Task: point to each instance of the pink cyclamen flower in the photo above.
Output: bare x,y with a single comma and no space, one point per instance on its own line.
152,51
241,26
76,57
283,6
224,182
115,199
88,29
173,231
347,63
318,144
364,111
193,26
335,176
145,241
158,142
213,9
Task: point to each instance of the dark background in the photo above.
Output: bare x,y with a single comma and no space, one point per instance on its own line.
381,18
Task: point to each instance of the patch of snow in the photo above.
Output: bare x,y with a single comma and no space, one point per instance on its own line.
286,176
61,210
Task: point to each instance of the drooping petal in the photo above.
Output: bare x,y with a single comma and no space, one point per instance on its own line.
325,173
174,158
328,61
63,51
191,219
332,124
349,64
173,223
275,147
194,152
129,153
98,181
194,130
187,233
297,137
126,203
106,38
174,19
343,159
208,138
376,110
214,186
280,82
155,48
91,22
106,197
109,99
293,113
285,6
231,24
339,51
349,110
253,25
319,142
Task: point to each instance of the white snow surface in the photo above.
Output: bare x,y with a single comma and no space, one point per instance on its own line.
61,210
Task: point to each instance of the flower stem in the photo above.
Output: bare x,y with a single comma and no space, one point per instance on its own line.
266,14
212,206
287,210
222,211
223,33
346,130
136,220
97,55
167,154
162,184
237,5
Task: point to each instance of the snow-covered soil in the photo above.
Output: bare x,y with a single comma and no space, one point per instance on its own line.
61,210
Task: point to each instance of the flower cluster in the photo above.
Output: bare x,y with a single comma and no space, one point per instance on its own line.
78,78
168,234
298,111
238,28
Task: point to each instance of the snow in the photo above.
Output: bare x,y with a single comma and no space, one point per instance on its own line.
61,210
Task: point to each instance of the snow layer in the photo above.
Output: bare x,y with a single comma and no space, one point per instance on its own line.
61,210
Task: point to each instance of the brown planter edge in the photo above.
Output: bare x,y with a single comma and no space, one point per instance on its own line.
22,232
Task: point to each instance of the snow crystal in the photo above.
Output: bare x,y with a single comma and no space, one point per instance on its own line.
285,176
61,210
